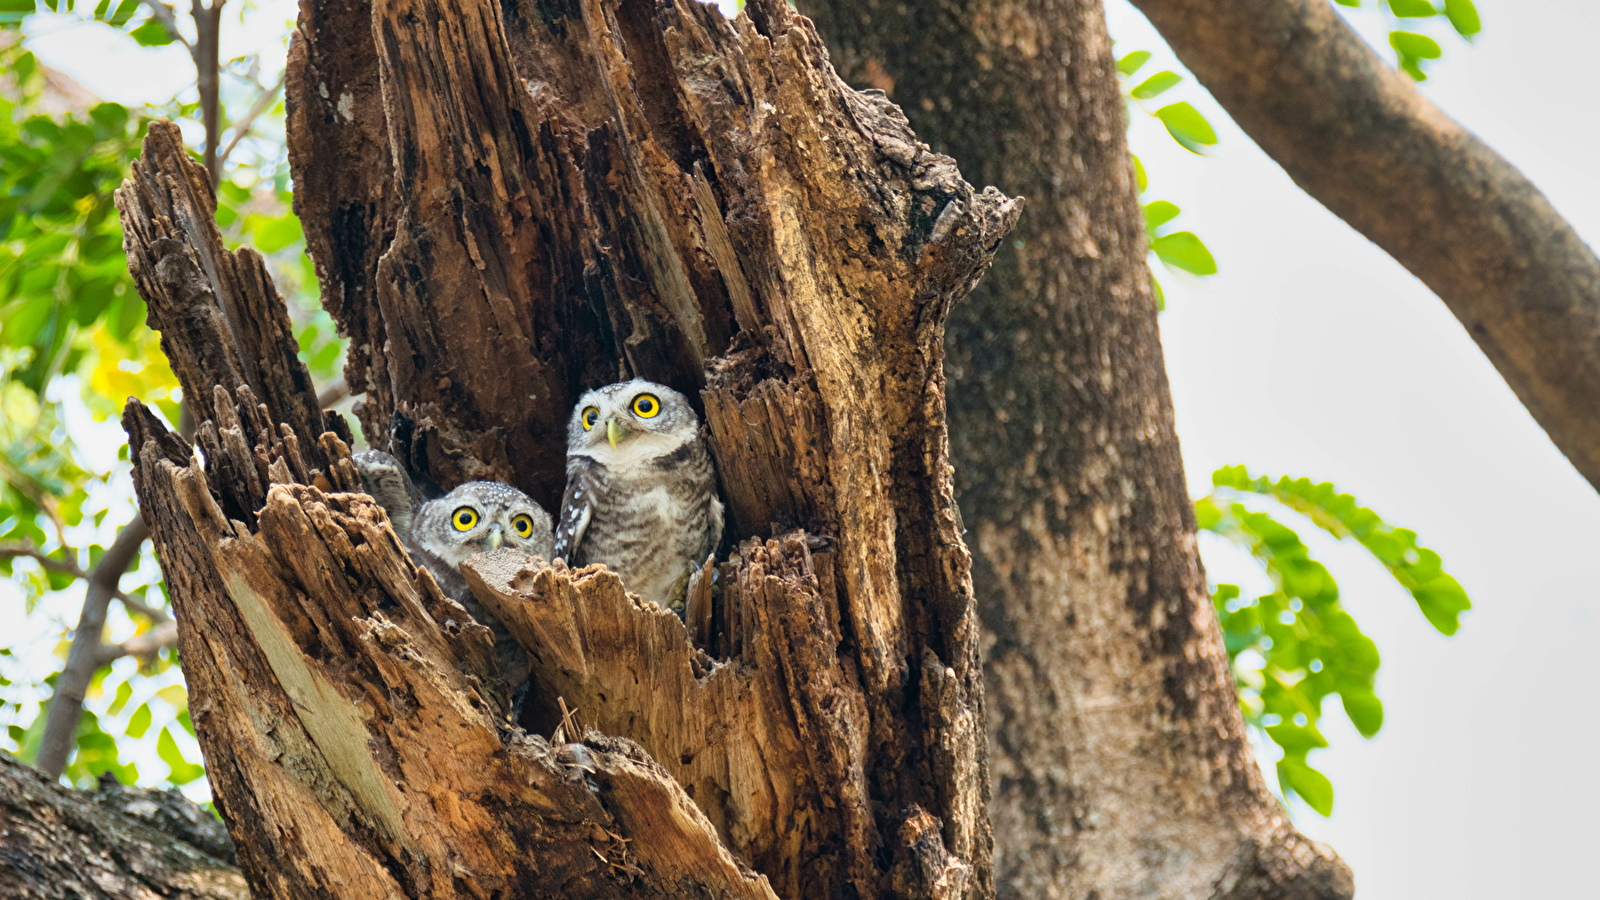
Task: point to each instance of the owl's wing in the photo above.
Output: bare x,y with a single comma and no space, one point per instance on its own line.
383,477
576,508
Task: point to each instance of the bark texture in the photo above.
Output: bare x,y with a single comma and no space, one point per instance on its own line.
114,843
509,203
1121,767
1359,137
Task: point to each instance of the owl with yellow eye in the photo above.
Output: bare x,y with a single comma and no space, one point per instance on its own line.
641,491
473,518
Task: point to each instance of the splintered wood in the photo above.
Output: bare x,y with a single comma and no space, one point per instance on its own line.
508,203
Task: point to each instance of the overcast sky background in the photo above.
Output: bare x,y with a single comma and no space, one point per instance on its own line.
1312,353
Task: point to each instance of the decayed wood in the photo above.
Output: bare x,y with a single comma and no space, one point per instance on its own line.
584,191
351,736
575,193
1122,765
109,844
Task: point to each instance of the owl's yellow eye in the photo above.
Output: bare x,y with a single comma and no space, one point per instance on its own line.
522,525
589,417
646,406
464,518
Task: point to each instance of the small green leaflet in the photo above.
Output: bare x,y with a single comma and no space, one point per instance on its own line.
1412,9
1156,84
1158,213
1182,250
1187,126
1127,65
1463,17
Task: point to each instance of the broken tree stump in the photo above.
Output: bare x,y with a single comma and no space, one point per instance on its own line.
508,203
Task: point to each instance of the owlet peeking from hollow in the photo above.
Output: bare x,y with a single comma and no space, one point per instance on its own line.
641,493
440,534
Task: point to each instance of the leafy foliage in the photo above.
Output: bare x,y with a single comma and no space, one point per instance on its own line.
1411,48
1179,250
73,346
1292,647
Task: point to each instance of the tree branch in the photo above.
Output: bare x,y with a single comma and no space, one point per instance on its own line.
337,390
1360,138
142,645
66,704
208,71
69,567
264,101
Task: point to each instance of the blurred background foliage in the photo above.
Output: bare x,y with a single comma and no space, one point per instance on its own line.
74,346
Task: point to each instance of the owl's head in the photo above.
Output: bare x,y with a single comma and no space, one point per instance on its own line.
479,516
633,421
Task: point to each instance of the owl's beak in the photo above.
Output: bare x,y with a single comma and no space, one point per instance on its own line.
613,431
497,536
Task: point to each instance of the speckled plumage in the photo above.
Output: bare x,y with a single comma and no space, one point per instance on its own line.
388,482
431,535
646,504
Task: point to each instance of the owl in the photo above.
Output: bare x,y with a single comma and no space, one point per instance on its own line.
440,534
388,482
641,493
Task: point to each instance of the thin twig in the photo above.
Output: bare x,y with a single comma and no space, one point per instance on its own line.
264,102
337,390
66,704
68,567
142,645
164,14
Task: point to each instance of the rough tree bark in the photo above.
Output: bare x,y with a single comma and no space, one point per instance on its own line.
1359,137
1120,759
507,203
114,843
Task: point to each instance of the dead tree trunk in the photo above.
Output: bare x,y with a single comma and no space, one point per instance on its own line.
508,203
1122,768
114,843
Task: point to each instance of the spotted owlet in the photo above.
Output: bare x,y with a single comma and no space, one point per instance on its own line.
641,494
440,534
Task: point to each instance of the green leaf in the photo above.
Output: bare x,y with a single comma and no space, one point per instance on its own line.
1157,84
1127,65
1156,292
1365,711
1182,250
181,770
1139,177
1418,569
1463,16
139,722
1414,46
272,235
1312,786
151,34
124,694
1412,9
23,322
125,11
1348,2
1159,213
1187,126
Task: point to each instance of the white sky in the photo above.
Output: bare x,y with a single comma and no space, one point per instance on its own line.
1312,353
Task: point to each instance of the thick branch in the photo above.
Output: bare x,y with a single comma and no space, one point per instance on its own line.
109,844
1360,138
83,659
